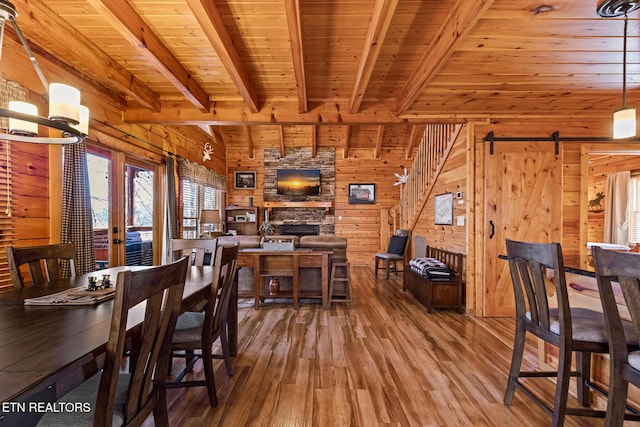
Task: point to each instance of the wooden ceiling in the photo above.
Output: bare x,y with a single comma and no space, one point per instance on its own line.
371,64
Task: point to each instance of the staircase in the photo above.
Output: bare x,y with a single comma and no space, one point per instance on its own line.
433,151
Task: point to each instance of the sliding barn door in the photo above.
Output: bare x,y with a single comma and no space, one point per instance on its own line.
523,197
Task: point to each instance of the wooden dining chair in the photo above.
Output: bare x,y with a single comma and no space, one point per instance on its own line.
196,332
623,268
572,330
118,397
201,251
43,262
396,252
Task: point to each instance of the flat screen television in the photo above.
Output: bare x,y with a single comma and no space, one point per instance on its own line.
298,182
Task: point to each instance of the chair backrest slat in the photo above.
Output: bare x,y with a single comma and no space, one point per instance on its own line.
217,308
43,262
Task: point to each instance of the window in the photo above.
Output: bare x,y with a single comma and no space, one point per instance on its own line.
200,188
195,198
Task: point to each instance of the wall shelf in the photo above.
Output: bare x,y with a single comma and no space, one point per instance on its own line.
322,205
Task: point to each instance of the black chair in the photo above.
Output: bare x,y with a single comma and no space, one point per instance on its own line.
396,252
36,258
623,268
128,398
572,330
196,332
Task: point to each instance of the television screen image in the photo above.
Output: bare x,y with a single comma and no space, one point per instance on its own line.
298,182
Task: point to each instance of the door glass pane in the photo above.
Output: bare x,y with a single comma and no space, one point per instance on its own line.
139,215
99,185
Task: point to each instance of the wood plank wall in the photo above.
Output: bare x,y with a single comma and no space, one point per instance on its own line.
360,224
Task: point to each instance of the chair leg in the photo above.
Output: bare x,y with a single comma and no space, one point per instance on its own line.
562,388
387,268
516,362
207,360
617,399
377,259
226,354
583,363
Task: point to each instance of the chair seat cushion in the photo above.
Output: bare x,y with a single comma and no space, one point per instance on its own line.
397,245
588,325
430,267
385,255
189,328
87,392
634,359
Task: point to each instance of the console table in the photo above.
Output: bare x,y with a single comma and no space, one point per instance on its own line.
269,263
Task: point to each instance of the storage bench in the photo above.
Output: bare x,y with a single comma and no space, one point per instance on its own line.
438,292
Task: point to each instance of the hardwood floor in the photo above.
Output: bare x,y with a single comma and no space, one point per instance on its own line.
380,360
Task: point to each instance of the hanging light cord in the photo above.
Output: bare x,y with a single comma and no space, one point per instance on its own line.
624,62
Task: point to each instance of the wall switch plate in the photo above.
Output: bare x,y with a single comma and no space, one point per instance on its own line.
460,220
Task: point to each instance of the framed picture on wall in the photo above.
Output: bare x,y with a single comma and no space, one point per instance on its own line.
362,194
443,207
245,179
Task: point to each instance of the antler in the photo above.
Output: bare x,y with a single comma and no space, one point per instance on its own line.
208,150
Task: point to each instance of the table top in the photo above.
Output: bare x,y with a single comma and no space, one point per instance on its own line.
39,341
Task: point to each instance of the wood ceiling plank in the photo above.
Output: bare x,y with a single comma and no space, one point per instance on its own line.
59,32
459,22
120,15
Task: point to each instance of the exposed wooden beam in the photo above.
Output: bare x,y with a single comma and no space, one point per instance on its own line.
59,32
272,113
347,141
461,19
314,141
247,137
417,131
120,15
211,22
281,140
292,7
381,17
378,145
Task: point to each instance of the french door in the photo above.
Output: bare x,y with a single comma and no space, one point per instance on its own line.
124,200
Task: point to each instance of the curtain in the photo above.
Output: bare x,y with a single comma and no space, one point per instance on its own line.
201,175
616,210
77,221
171,207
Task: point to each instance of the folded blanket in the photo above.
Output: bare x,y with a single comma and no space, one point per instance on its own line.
432,268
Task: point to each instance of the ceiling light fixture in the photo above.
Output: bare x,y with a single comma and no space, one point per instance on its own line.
624,119
65,112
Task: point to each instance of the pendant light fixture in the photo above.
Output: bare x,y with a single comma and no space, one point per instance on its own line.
624,119
66,115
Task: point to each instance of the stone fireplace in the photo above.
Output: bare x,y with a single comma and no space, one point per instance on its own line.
320,221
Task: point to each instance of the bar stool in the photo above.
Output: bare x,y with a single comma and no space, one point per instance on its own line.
346,279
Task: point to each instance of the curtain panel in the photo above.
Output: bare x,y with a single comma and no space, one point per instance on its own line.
77,222
616,210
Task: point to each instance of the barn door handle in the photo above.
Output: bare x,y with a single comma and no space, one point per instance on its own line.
493,229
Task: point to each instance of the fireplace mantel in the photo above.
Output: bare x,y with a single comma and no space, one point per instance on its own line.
323,205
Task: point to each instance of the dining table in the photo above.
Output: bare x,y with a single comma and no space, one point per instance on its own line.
47,349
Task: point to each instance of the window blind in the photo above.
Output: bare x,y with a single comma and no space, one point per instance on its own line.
634,211
8,91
